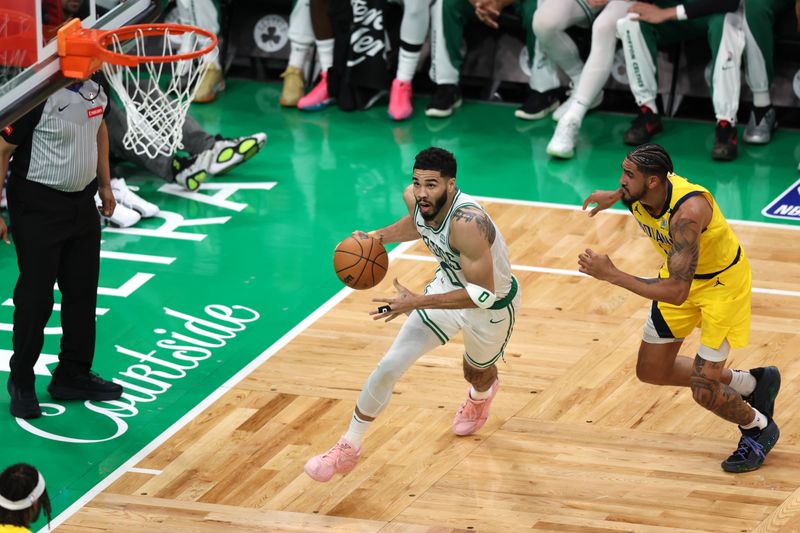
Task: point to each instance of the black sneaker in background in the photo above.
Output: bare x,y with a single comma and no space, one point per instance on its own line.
83,387
24,403
726,143
643,127
768,383
753,448
446,99
538,104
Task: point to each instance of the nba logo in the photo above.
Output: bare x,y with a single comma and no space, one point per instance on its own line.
787,205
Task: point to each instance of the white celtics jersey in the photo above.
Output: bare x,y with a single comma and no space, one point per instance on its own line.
438,242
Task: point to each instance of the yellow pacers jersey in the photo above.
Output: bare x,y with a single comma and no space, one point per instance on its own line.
718,245
719,299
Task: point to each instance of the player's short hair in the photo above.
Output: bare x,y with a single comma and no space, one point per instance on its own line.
438,159
16,483
651,159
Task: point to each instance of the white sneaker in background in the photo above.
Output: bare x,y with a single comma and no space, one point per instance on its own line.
123,217
562,145
563,108
126,197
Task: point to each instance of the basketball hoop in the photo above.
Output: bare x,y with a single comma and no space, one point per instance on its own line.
155,106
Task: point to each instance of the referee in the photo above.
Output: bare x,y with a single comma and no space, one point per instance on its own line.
60,161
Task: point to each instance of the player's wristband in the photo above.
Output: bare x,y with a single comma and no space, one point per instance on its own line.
483,298
680,12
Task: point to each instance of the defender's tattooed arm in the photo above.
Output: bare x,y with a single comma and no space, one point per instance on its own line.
686,225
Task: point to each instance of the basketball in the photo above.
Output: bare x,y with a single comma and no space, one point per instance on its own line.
360,262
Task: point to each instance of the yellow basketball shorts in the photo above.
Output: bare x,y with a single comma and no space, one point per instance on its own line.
720,306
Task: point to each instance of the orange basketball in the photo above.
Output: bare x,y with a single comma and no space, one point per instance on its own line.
360,263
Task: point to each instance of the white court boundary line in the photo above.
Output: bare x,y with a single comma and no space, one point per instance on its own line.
570,207
397,253
130,464
565,272
149,471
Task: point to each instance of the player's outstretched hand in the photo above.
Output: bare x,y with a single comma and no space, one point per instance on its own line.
596,265
603,199
404,302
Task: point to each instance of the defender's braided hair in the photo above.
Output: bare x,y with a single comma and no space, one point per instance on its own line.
652,160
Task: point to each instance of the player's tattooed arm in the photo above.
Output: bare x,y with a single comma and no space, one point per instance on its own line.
477,216
472,234
685,227
682,258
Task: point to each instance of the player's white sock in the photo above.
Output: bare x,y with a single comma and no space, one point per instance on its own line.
325,53
761,99
298,54
743,382
760,421
407,64
358,428
478,395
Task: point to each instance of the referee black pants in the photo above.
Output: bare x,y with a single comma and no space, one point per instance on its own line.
57,237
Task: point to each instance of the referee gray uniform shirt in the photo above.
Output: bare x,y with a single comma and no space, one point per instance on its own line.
61,135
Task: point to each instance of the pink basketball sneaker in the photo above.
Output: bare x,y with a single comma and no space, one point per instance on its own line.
472,414
318,98
340,459
400,100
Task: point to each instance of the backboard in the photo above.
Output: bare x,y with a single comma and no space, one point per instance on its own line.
29,64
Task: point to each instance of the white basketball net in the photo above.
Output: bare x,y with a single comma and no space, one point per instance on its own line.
155,114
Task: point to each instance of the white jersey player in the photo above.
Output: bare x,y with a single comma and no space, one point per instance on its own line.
473,291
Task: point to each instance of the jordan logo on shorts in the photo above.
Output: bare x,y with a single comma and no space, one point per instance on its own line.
718,282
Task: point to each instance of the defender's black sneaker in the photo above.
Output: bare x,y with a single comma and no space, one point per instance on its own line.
768,383
753,448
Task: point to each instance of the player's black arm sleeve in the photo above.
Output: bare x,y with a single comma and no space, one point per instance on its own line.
701,8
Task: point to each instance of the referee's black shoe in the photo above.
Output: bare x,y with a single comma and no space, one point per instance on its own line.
88,386
24,403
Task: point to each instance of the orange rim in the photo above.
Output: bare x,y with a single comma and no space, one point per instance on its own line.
83,50
126,33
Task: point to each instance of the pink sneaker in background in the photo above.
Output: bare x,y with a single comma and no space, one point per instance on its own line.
340,459
472,414
318,98
400,100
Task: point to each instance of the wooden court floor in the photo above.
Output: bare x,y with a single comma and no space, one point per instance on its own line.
574,442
